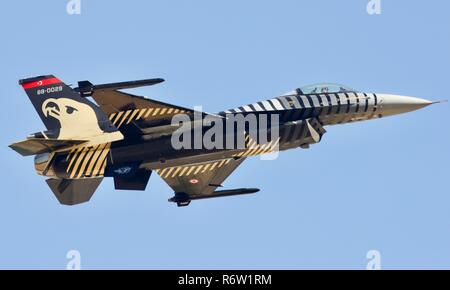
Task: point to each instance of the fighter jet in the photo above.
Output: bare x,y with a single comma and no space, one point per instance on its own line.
97,131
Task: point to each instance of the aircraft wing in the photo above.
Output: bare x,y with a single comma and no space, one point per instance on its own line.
112,101
200,180
131,114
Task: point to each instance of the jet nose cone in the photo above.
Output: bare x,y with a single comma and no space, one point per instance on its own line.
392,104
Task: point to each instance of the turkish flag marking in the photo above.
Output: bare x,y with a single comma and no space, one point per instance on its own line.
41,83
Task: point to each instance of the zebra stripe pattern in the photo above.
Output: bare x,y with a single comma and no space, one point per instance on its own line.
180,171
306,105
299,131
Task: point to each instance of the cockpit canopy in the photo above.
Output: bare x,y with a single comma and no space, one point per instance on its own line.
321,89
325,88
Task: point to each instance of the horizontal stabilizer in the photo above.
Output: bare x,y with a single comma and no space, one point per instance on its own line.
137,181
35,146
73,191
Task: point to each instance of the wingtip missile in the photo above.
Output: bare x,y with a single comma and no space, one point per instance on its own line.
86,88
183,199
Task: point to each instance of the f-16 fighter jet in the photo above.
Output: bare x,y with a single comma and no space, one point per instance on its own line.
97,131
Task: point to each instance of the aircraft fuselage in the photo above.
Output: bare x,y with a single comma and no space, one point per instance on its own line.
298,114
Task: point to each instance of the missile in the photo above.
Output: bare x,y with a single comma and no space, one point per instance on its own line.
86,88
183,199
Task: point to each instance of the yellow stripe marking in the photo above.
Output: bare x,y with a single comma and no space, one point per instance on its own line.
70,152
100,160
252,152
73,159
156,111
190,170
95,157
267,148
102,171
275,146
198,169
117,118
252,145
213,166
221,163
168,172
170,111
272,147
124,118
132,116
163,111
142,111
246,140
206,167
148,112
112,116
85,161
183,171
263,148
75,167
176,171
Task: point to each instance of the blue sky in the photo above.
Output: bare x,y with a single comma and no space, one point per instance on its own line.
378,185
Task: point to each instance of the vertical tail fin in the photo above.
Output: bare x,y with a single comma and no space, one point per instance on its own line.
72,192
63,110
